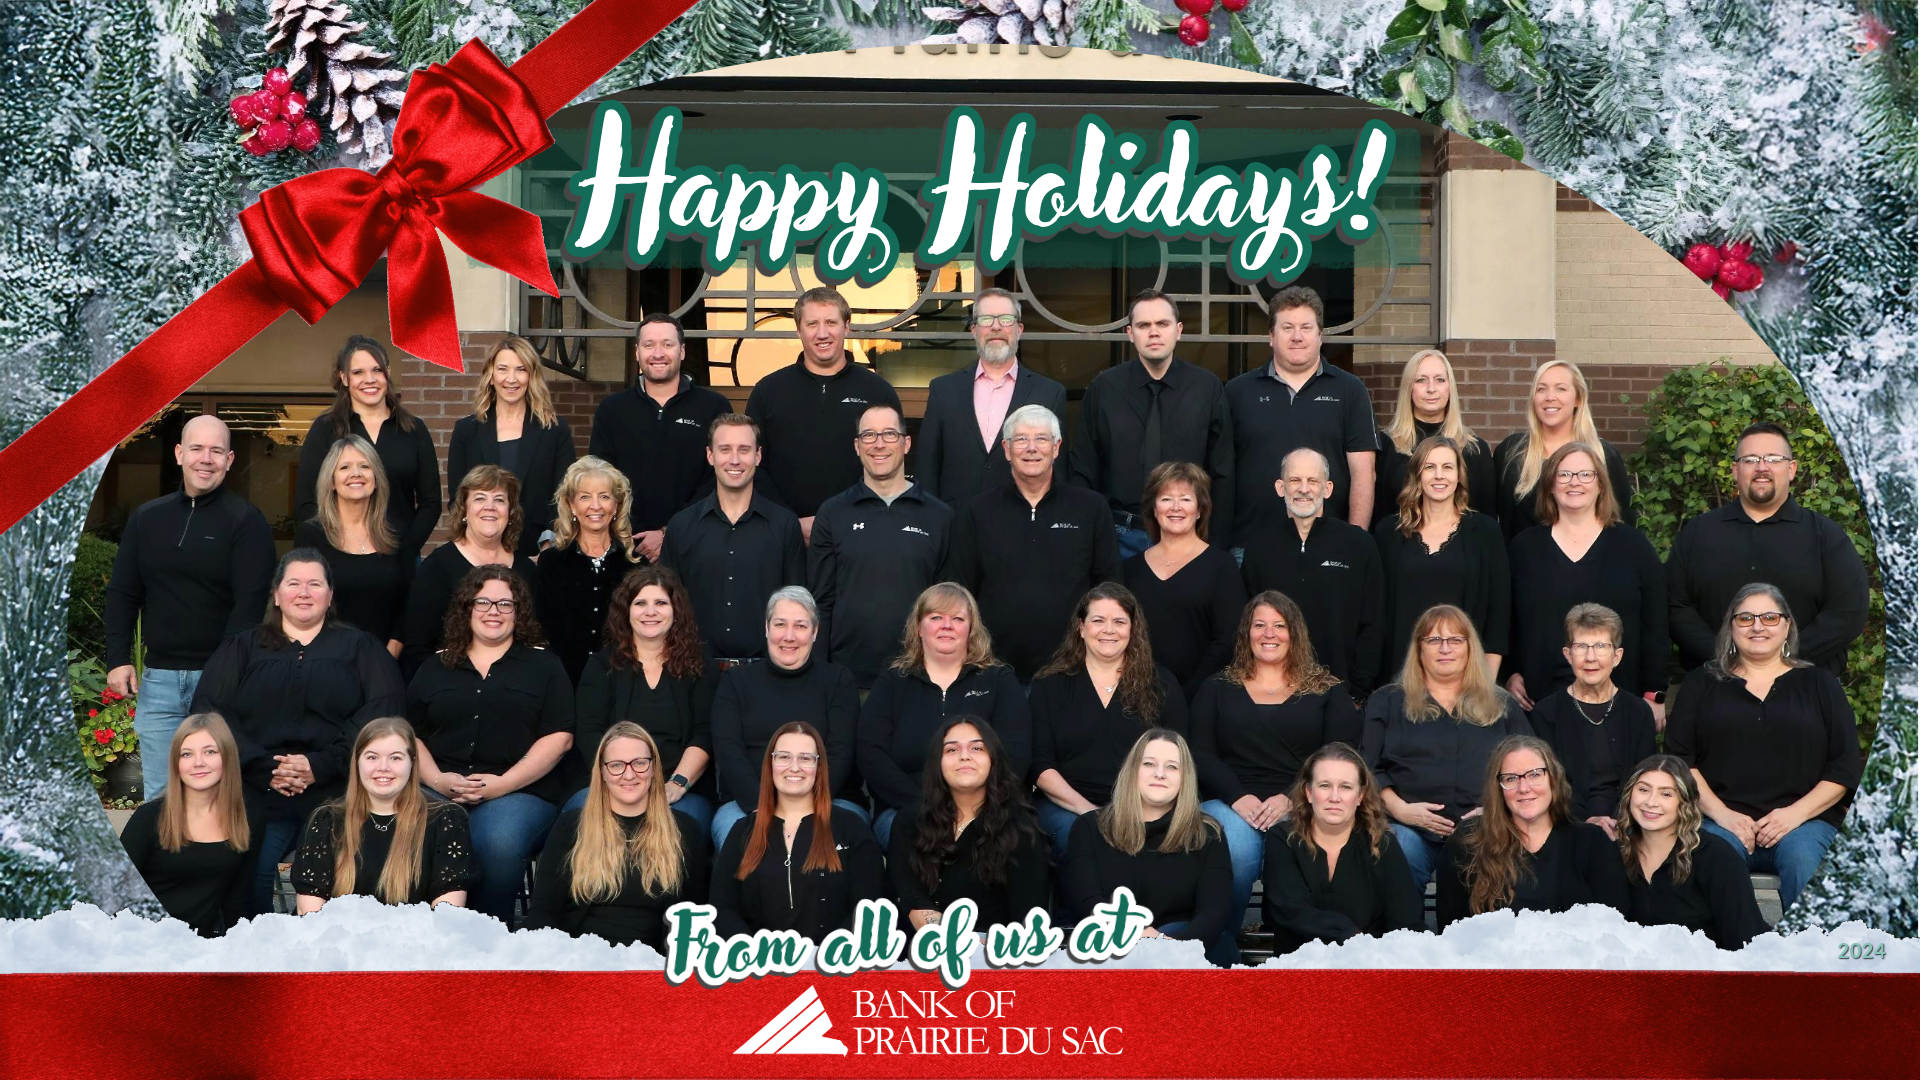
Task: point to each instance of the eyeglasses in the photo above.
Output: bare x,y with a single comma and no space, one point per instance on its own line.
1021,442
996,320
1584,476
639,766
1533,777
487,603
783,759
889,436
1592,648
1764,618
1439,642
1751,460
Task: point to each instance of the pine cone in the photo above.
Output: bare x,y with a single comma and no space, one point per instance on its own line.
347,84
1006,22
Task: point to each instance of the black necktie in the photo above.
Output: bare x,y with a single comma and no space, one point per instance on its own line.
1150,437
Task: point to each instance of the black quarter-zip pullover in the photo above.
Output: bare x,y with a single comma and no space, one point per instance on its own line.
807,426
198,567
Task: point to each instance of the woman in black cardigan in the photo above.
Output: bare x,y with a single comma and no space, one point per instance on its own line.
1596,729
1427,405
592,551
1438,551
366,404
1190,591
1557,414
514,426
1672,877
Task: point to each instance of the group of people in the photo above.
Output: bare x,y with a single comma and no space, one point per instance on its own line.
1021,675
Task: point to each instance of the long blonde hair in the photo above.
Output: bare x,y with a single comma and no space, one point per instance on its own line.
229,803
564,522
401,875
328,497
1124,825
1401,430
1481,703
539,398
944,596
602,855
1532,458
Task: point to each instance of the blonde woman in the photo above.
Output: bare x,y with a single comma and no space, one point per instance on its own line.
592,551
194,846
366,403
1428,734
514,426
1558,414
1438,550
1428,404
351,530
1154,839
384,838
613,867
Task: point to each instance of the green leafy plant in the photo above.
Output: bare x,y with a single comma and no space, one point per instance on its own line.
86,612
104,718
1683,469
1419,64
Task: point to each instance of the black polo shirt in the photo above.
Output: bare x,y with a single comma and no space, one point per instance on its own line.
731,567
1108,454
486,724
1331,413
869,561
807,424
1335,577
662,449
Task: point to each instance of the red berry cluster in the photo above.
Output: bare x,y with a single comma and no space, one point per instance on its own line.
275,117
1727,266
1196,28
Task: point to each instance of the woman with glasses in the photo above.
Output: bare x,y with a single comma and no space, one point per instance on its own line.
1526,852
1672,878
1582,553
495,716
1596,729
1428,405
1190,591
613,867
1771,741
971,835
1558,414
484,528
793,864
1437,550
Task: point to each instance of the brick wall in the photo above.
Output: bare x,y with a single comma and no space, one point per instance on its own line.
1460,152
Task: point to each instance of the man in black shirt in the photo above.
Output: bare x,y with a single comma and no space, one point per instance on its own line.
1030,550
1136,416
959,441
1765,536
734,547
655,432
876,546
808,411
1296,400
193,568
1330,568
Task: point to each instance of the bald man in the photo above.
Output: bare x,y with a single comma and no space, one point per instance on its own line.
193,568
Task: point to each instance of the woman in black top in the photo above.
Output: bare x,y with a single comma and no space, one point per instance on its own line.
1558,414
384,838
654,673
1437,551
295,690
1317,886
351,530
365,403
483,530
1190,591
514,426
1154,839
1526,852
592,550
755,699
1427,406
756,884
613,867
1091,703
1672,878
1255,722
1596,729
1428,734
194,846
1771,741
495,716
1580,553
972,835
946,667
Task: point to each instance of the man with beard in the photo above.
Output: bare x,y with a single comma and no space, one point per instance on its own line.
655,432
959,439
1765,536
1330,568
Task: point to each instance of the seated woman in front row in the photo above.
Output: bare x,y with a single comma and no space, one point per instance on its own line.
1154,839
756,884
1527,852
1320,885
194,846
384,838
1672,876
613,867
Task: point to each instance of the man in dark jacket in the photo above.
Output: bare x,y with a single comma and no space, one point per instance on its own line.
959,442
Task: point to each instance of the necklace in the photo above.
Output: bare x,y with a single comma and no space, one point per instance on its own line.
1604,715
375,820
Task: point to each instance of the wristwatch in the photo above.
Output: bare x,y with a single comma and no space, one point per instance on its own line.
676,778
1658,697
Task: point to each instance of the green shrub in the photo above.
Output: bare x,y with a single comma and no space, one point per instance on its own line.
87,612
1685,468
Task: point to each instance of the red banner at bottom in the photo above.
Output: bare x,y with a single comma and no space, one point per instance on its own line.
1095,1023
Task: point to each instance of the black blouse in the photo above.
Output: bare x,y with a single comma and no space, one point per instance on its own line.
369,591
1717,897
411,465
1192,615
1516,512
1621,571
1390,472
574,591
446,854
1367,893
1442,760
630,916
1086,741
1759,756
1246,748
781,895
755,699
538,458
485,724
1598,757
677,712
1577,865
208,886
1469,571
1192,887
1025,887
901,715
433,583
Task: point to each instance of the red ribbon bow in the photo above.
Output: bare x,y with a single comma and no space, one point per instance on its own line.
316,237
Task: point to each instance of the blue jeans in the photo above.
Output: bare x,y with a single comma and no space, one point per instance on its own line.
1225,952
507,833
1132,541
697,807
883,828
278,836
163,701
1246,847
1424,854
1794,858
1056,821
730,813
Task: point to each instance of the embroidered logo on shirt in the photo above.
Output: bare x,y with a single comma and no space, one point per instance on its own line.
1063,525
1336,564
915,530
976,693
1327,397
859,525
1264,398
853,401
687,420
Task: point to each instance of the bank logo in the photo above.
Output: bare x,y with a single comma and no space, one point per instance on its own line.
689,421
801,1028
